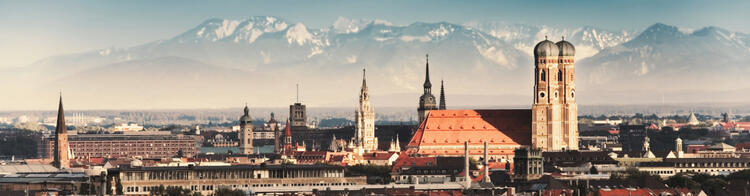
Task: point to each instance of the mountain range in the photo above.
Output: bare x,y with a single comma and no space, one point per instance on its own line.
259,60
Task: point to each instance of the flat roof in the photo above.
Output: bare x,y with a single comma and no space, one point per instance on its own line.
232,167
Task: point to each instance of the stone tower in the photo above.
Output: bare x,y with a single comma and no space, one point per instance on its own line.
566,74
62,156
246,133
364,118
554,111
427,100
442,95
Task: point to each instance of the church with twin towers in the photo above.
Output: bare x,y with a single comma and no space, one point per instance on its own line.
550,125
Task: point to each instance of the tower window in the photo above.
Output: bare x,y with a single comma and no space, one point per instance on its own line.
543,76
559,75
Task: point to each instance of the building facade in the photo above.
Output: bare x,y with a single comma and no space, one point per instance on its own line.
555,112
364,119
147,144
427,101
252,178
246,133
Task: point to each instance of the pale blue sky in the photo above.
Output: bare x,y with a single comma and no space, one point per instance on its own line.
31,30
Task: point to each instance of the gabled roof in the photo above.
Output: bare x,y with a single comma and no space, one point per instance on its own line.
454,127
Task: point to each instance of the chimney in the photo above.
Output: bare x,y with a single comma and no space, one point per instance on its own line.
466,164
486,162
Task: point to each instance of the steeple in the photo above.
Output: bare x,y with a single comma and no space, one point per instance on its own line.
61,118
442,95
427,84
363,94
62,148
364,80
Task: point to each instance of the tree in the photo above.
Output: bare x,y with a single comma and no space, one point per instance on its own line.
84,189
384,172
593,170
118,187
683,181
740,175
228,192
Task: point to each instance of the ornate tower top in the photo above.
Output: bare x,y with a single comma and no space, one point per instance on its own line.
427,84
246,117
363,92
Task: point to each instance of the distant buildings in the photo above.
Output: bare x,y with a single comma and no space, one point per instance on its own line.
128,127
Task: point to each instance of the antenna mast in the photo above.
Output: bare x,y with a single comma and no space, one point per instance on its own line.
297,92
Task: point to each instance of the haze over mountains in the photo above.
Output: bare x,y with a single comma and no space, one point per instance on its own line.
224,63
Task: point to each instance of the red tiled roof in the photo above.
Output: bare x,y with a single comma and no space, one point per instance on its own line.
454,127
377,155
405,160
623,192
742,146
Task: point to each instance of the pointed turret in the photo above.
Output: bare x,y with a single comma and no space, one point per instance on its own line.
692,120
287,138
398,144
442,95
62,149
334,147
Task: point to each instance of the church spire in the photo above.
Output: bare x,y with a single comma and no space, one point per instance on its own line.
62,149
61,118
442,95
364,81
363,94
427,84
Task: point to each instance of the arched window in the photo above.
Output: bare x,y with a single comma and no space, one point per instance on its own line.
559,75
543,75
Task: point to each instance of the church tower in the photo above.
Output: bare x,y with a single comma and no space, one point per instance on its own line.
566,74
554,111
364,118
246,133
62,148
427,100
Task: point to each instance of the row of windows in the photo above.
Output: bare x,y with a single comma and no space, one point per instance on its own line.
552,60
235,186
543,76
722,164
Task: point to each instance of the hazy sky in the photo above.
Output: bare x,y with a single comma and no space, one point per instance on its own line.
31,30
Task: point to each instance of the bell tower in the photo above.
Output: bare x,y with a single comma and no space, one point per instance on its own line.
566,74
427,101
554,124
546,120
